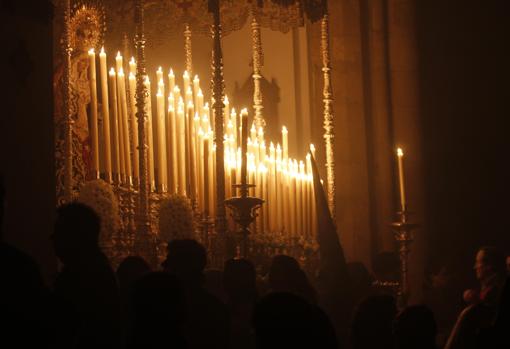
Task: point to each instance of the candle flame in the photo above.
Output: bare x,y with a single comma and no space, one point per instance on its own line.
400,153
102,51
233,112
160,70
199,93
190,104
284,129
176,89
225,100
161,82
118,55
121,72
186,74
91,51
146,80
171,73
112,71
132,60
131,76
196,79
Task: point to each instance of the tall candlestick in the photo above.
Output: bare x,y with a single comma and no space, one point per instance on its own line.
244,145
172,148
114,126
93,114
190,144
400,157
181,152
106,115
285,142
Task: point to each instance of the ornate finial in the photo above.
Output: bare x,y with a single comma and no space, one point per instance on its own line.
68,166
187,49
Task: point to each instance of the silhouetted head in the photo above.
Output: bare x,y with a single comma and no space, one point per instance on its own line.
76,232
415,328
489,261
284,320
157,296
131,269
186,259
240,280
386,266
372,323
285,275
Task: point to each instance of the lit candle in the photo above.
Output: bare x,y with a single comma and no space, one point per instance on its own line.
285,142
181,152
134,124
312,150
161,146
171,147
171,81
114,126
132,66
400,157
118,61
196,88
233,119
93,114
200,102
177,96
106,115
244,144
121,83
302,190
226,111
212,176
206,175
186,82
159,77
253,132
200,167
190,144
150,134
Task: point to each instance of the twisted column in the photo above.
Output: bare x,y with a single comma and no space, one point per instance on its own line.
187,49
68,124
218,106
329,131
257,65
141,115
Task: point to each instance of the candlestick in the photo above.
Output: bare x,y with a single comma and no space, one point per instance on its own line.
173,176
161,145
93,114
206,175
171,81
400,156
106,115
181,151
150,134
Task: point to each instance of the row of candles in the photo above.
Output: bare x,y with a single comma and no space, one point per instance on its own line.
182,149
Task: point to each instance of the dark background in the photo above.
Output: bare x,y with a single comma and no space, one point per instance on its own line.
464,57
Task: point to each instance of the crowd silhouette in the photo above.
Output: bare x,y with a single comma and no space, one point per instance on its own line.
183,305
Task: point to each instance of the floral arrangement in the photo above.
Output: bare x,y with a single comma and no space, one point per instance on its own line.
99,195
176,218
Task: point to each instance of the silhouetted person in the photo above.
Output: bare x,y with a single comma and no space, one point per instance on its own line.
361,281
87,282
208,320
372,324
159,313
129,271
285,275
24,298
285,320
482,308
213,283
415,328
240,283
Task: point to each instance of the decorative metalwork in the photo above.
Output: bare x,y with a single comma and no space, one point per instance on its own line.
257,65
144,243
329,134
187,49
68,166
404,237
218,90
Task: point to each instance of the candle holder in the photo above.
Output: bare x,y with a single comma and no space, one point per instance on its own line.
404,237
244,211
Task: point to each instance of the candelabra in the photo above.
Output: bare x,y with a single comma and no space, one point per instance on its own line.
404,237
244,211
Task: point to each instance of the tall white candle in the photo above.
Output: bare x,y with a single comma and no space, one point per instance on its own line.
400,158
181,150
206,175
171,81
150,134
121,83
93,113
285,143
106,115
171,148
161,145
114,127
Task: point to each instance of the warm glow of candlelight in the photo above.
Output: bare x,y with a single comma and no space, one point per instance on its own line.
400,153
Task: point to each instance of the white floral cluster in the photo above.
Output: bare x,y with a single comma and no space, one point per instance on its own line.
99,195
176,218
